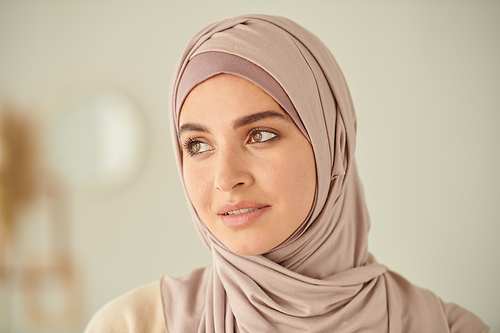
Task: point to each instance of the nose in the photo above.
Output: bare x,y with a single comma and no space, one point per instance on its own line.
232,171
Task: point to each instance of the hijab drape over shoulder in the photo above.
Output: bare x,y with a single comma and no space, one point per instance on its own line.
322,278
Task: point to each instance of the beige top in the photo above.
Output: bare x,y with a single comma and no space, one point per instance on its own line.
140,310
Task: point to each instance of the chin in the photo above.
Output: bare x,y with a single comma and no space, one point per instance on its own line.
248,251
245,247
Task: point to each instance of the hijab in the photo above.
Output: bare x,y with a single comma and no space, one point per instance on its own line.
322,278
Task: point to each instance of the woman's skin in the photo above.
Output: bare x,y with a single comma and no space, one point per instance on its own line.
241,151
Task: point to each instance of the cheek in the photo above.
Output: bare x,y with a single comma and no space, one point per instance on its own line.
293,179
302,184
196,182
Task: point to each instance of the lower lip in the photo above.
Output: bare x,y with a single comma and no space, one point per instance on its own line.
242,220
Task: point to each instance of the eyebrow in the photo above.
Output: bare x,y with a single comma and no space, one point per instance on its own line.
192,127
237,123
257,116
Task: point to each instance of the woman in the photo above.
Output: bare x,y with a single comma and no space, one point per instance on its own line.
264,132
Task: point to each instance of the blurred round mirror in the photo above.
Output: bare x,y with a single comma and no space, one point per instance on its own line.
96,140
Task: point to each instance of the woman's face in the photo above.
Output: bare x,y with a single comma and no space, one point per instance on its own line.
249,171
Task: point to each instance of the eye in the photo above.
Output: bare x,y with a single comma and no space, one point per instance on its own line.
195,147
258,136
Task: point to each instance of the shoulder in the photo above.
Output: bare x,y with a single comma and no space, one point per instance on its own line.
410,299
139,310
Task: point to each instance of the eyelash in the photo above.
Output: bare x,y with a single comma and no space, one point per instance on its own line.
188,146
261,130
190,142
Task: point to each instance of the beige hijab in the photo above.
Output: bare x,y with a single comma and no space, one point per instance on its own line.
322,279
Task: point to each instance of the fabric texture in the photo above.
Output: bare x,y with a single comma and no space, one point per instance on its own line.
140,310
322,278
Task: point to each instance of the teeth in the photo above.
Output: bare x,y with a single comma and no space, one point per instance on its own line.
241,211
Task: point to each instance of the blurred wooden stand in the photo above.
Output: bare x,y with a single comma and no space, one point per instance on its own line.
47,271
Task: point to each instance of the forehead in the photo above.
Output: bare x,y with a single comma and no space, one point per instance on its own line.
226,95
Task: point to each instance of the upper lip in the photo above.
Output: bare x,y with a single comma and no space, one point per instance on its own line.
239,205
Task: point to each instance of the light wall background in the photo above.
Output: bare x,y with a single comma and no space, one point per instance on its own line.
425,79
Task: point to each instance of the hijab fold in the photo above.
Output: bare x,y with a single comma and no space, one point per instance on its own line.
322,278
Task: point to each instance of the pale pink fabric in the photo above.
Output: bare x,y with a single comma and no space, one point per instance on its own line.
322,279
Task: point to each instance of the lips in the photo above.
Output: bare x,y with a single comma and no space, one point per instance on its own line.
241,214
241,211
240,207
